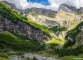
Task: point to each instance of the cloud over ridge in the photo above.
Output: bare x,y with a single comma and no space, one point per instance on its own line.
54,4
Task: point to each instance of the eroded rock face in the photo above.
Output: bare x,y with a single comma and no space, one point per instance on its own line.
79,38
33,13
22,29
76,35
44,21
80,11
40,11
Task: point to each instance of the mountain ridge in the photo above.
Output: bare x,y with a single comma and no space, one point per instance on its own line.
62,6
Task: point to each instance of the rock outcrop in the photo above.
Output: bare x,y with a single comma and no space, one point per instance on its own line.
80,11
22,29
76,35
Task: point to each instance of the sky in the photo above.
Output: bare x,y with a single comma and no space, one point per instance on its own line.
47,4
44,2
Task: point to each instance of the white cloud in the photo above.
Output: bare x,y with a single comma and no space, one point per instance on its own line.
54,4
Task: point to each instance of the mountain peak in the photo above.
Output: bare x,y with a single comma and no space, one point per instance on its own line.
33,10
67,8
41,11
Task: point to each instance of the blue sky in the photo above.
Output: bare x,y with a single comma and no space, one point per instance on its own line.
44,2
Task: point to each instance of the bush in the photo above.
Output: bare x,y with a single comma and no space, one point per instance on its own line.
56,28
16,43
34,58
4,55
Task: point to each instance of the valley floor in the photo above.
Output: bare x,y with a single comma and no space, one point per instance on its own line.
42,56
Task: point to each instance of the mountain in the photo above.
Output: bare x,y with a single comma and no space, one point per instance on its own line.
59,22
70,9
11,21
67,17
37,11
55,32
67,8
75,36
11,41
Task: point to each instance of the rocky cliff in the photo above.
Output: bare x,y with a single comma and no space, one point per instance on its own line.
75,36
11,21
22,29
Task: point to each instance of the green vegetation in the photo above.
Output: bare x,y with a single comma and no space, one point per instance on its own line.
79,57
61,52
1,58
56,41
56,28
5,11
8,40
73,33
11,44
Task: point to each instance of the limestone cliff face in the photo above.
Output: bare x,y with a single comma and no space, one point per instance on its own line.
22,29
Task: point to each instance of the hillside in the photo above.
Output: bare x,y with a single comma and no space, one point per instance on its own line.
11,41
15,23
42,31
67,17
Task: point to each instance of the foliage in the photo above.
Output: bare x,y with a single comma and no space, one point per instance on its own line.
8,40
65,51
34,58
1,58
73,33
68,43
3,55
73,57
56,28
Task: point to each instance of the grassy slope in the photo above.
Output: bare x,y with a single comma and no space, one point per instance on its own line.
56,41
14,17
80,57
1,58
8,40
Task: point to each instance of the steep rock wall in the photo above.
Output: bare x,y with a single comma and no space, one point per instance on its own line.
22,29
